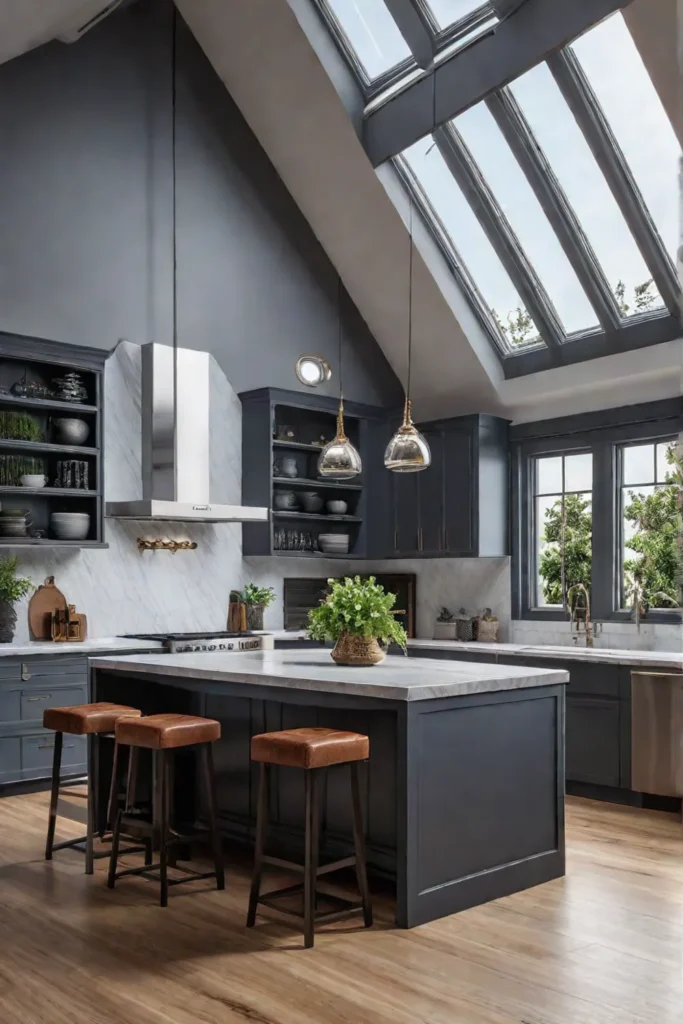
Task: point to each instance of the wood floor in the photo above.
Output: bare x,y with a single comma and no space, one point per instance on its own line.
602,946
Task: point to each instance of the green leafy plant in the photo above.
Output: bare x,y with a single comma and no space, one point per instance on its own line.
518,327
577,547
257,595
644,297
19,426
13,587
357,607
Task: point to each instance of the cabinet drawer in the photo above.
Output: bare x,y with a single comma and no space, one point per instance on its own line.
55,667
37,752
10,669
10,705
35,701
10,758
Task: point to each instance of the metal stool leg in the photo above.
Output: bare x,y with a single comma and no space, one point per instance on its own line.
160,814
92,791
359,842
260,838
311,855
54,795
112,806
114,855
210,784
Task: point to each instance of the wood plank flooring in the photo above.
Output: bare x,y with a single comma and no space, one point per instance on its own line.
602,946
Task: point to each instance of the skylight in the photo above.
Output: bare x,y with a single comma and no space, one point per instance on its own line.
448,12
372,34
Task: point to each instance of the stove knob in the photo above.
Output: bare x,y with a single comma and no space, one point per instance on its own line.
212,647
230,647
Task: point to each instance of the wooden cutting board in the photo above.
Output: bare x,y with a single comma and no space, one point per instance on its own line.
47,599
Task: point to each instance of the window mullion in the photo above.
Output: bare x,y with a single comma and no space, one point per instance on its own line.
499,232
604,533
566,225
415,28
589,115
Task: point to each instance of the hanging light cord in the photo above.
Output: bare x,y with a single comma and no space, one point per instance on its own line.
410,300
339,314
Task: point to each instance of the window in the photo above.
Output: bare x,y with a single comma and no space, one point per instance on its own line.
470,242
449,12
560,137
518,201
650,523
562,518
634,110
371,33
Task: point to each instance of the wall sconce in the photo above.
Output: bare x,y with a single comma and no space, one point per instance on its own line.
165,545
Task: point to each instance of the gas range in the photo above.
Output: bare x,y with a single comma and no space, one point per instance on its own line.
220,643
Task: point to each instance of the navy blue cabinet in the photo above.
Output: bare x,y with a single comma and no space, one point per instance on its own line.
459,506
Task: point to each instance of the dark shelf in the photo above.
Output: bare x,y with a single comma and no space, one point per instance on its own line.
313,554
49,492
330,485
45,446
317,516
52,404
48,542
298,446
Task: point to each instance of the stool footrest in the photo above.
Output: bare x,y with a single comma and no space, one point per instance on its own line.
325,869
146,871
346,907
80,845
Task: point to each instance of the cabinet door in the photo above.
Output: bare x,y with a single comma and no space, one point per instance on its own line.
592,735
459,491
431,498
406,519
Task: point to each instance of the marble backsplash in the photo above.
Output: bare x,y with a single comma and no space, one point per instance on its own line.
120,590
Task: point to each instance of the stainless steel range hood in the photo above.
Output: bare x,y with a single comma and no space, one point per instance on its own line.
175,444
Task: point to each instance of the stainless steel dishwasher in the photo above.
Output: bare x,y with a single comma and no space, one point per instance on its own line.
657,733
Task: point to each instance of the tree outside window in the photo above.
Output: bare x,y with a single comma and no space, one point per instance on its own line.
563,523
650,502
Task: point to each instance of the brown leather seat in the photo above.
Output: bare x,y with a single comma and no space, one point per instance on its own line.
163,732
309,748
87,719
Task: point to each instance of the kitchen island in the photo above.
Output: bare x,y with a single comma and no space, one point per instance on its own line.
464,789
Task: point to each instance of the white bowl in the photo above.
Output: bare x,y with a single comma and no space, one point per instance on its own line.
337,507
70,525
34,480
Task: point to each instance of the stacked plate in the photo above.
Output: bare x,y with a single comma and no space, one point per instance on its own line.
334,543
14,522
70,525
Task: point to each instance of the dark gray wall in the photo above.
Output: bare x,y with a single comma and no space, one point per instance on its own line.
86,214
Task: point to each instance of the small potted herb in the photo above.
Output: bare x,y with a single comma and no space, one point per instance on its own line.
12,589
356,615
257,600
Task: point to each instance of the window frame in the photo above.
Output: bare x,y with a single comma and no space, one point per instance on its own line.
604,434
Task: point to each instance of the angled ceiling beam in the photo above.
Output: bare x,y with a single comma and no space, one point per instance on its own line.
585,107
500,234
504,8
414,27
472,73
556,206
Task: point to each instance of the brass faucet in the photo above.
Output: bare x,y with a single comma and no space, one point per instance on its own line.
575,617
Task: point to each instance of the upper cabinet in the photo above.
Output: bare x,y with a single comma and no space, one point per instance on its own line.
459,506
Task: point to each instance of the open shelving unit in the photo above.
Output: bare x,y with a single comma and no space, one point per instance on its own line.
282,437
24,361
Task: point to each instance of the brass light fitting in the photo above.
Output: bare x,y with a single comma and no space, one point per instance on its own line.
144,544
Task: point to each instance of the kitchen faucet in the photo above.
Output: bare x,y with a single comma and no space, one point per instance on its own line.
574,615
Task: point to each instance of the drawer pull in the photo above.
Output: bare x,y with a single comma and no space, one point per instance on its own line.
51,746
43,696
25,674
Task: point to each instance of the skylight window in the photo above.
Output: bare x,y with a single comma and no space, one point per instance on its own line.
371,33
637,117
518,201
565,147
448,12
471,243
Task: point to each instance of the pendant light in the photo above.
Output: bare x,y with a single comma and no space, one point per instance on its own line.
408,452
339,458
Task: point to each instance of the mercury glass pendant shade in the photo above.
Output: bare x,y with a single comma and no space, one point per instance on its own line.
407,452
339,458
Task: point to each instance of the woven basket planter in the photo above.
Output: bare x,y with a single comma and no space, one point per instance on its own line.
357,650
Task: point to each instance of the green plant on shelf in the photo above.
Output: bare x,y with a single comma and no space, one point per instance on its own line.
19,426
13,467
13,587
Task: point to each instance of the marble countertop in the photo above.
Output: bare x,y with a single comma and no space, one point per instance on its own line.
397,678
613,655
109,643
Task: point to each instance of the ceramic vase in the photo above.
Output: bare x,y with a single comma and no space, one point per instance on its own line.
289,467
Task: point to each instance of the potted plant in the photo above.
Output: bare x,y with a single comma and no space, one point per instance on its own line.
12,589
257,600
356,615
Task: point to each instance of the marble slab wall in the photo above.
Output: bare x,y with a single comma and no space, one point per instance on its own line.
120,590
472,583
623,635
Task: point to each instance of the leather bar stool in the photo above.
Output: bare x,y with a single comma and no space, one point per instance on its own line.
93,721
313,750
164,735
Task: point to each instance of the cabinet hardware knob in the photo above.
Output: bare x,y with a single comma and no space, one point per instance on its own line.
25,674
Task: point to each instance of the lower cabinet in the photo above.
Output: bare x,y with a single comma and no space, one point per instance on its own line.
593,741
